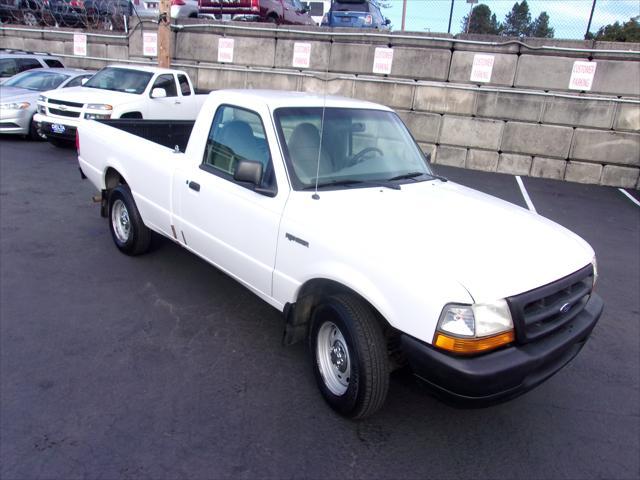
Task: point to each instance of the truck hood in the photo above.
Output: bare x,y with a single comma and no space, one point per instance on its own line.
493,248
91,95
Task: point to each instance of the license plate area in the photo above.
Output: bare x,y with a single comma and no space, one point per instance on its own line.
58,128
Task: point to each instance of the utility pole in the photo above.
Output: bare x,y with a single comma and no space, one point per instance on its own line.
164,34
450,16
593,7
404,13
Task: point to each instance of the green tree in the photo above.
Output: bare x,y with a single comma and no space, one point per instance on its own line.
615,32
481,20
517,23
540,27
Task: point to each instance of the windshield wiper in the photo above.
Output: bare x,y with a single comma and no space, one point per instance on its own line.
413,175
351,181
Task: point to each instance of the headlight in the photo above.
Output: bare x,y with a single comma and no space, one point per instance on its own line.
99,106
97,116
594,263
42,98
469,329
15,106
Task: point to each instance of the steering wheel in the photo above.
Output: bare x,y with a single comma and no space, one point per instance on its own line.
359,157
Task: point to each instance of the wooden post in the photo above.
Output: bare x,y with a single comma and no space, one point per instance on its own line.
164,34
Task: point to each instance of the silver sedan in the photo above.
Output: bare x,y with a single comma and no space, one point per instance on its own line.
19,95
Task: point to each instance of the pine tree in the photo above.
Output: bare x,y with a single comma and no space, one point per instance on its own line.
540,27
627,32
482,21
517,23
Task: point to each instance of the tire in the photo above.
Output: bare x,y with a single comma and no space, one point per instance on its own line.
349,356
33,132
273,19
128,231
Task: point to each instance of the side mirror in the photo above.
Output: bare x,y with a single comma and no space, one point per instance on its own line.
305,9
84,80
251,172
158,93
248,171
387,21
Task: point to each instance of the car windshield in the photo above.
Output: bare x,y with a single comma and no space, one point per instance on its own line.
359,146
120,80
37,81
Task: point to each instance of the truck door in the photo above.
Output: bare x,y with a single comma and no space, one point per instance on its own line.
222,220
170,107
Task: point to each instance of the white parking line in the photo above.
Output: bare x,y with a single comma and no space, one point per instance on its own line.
525,194
624,192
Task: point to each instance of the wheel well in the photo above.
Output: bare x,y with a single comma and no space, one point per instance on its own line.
311,293
131,115
112,179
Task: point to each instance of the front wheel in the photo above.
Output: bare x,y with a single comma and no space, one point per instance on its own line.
349,356
129,232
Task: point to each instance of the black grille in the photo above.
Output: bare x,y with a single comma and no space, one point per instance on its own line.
68,104
63,113
541,311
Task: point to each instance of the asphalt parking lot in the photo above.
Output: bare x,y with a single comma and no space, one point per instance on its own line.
161,367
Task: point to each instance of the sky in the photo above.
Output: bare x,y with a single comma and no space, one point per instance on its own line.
568,17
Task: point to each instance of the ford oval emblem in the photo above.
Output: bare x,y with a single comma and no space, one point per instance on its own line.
565,308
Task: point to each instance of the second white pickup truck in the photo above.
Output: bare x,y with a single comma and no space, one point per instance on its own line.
327,209
117,91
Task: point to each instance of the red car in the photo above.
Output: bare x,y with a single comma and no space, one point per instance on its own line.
290,12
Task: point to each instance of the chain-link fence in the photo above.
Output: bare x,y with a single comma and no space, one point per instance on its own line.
90,14
570,19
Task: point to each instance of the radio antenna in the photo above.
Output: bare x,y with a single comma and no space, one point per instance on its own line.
315,195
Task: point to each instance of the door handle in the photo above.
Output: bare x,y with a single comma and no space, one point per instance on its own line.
194,186
177,102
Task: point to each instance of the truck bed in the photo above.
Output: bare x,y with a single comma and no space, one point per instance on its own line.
168,133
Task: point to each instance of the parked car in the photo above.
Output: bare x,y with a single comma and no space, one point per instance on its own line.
290,12
27,12
374,260
118,91
20,93
355,14
13,62
99,14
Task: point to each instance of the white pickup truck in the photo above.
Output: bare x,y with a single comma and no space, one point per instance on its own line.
118,91
327,209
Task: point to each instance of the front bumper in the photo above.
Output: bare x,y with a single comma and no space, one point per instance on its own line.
15,121
504,374
60,131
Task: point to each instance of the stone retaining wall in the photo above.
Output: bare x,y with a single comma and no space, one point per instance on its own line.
525,121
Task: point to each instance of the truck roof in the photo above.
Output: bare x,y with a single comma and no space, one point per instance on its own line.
280,98
145,68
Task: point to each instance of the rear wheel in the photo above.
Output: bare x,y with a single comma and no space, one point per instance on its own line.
129,232
349,356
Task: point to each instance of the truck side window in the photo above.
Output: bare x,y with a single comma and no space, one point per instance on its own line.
185,89
168,83
237,134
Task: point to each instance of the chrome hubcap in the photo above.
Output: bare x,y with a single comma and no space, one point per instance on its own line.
332,356
120,221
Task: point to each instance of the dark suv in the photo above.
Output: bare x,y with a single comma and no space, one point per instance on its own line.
355,14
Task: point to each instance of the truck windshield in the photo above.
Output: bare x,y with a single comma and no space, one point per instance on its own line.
120,80
359,146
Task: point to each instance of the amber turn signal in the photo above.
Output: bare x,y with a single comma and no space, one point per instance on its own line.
470,346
